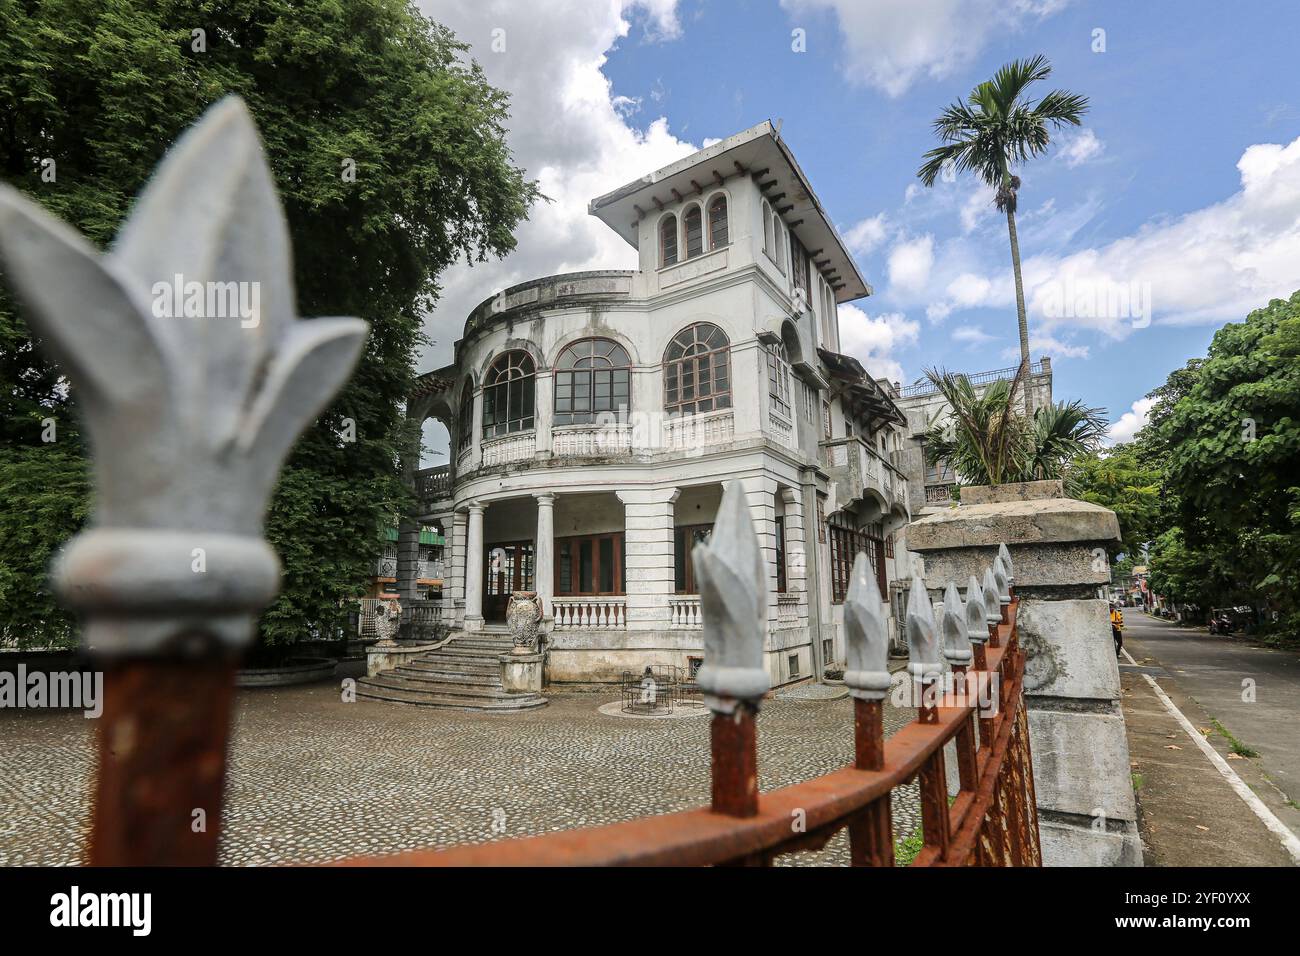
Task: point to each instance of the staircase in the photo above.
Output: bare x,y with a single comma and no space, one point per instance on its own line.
465,674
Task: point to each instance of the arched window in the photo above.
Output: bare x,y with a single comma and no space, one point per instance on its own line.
693,226
767,228
778,379
779,232
718,222
667,240
697,371
465,418
592,377
508,395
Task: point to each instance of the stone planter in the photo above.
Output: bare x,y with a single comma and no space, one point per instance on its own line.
521,672
524,615
299,670
1072,695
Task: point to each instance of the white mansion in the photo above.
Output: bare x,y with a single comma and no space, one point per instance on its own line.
595,416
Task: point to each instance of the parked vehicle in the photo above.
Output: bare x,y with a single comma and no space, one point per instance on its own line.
1229,620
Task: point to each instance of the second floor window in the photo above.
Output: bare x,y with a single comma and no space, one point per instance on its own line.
593,377
778,379
718,222
697,371
465,418
668,241
693,224
508,394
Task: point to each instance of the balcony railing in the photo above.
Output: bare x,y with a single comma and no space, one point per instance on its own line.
939,494
590,613
976,379
857,467
684,610
787,610
699,431
433,484
511,448
591,441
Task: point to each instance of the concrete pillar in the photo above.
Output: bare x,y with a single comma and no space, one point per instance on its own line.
760,492
648,555
454,590
474,567
543,413
544,558
1087,814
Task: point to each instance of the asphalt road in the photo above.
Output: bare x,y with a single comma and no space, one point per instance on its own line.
1218,672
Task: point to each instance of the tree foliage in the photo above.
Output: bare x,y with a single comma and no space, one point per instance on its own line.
96,89
1121,479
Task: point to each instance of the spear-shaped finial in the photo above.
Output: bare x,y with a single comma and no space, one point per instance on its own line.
992,605
732,581
977,625
866,635
1007,566
1000,581
956,644
922,639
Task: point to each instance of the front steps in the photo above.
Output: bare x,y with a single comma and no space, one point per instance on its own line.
465,674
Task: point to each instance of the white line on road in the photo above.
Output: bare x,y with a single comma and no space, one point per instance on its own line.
1266,816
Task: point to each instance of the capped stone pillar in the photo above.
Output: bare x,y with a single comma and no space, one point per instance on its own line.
1057,546
544,558
474,567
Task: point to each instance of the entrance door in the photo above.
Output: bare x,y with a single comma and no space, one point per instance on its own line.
507,567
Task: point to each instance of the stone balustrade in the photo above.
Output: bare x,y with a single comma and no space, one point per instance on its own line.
684,610
590,613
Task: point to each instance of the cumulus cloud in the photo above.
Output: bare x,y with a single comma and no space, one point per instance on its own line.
910,262
892,44
873,341
1127,425
1079,148
1210,265
864,236
971,334
1040,345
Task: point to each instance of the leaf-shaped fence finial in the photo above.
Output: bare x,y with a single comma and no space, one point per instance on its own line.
956,644
732,582
977,625
992,604
194,376
1007,566
1001,581
866,635
922,634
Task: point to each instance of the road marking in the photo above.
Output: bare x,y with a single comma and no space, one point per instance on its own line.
1289,840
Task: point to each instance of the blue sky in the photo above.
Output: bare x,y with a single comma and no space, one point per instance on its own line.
1183,185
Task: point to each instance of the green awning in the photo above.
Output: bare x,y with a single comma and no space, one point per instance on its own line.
427,536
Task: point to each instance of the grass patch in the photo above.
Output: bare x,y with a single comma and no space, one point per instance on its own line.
906,849
1137,781
1240,749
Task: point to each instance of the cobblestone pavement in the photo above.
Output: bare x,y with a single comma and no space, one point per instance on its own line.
314,779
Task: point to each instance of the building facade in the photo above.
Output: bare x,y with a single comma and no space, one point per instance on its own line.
594,418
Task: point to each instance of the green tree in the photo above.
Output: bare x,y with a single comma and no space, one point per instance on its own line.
1121,479
93,91
1231,446
998,127
987,441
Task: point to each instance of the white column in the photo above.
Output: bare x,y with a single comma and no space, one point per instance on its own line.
543,413
797,556
544,558
648,555
474,568
454,585
760,492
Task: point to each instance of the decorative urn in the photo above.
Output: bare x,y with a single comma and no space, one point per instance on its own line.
524,615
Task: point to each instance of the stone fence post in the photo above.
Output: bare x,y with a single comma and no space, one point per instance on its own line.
1087,813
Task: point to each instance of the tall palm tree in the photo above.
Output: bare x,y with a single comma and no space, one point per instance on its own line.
994,129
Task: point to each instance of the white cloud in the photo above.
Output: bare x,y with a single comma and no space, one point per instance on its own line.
977,206
910,262
891,44
1079,148
1040,345
972,334
864,236
1130,422
873,341
1211,265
